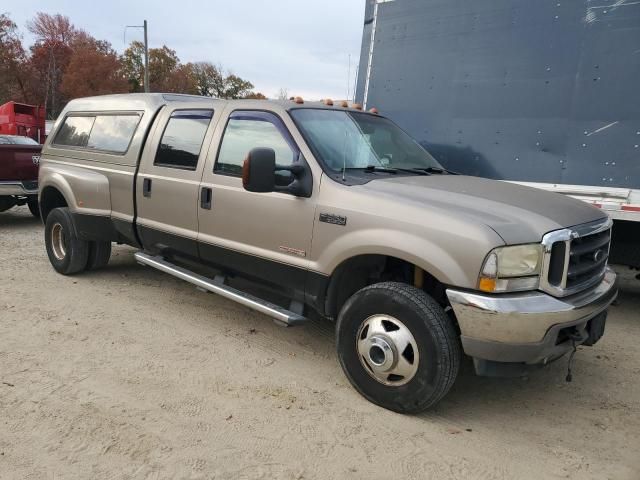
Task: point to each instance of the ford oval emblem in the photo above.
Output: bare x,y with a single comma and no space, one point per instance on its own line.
35,159
597,255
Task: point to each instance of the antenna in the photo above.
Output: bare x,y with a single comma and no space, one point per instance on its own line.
349,78
344,154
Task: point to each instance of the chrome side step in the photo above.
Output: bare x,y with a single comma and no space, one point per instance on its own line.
280,315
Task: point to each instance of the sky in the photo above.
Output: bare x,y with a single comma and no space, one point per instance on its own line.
300,45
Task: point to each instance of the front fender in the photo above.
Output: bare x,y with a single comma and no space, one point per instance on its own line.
414,249
86,191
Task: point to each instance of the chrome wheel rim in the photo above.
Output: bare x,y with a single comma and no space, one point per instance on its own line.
57,241
387,350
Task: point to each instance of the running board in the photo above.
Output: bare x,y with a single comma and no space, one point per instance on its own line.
280,315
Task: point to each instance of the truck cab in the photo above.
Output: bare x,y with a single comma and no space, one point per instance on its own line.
333,212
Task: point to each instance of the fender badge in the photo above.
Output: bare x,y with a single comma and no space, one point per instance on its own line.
293,251
333,219
35,159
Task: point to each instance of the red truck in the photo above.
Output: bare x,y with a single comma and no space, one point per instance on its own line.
23,120
19,160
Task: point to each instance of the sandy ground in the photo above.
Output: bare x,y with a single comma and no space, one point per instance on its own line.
128,373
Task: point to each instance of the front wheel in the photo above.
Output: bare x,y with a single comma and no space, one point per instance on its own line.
397,347
67,253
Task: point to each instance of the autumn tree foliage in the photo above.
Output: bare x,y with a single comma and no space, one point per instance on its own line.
13,68
93,69
65,62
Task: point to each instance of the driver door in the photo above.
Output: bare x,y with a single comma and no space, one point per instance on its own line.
262,236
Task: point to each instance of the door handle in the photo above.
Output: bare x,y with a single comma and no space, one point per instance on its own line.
146,187
206,195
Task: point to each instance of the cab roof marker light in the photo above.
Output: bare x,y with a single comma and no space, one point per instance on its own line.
357,106
373,110
328,102
299,100
344,104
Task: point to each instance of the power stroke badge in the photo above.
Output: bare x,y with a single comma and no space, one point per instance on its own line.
333,219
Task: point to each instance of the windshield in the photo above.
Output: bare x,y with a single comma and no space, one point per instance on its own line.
16,140
344,139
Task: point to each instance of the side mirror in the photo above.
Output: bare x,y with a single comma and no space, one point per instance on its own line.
259,170
259,174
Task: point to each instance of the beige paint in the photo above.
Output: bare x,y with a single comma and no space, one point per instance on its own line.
258,223
443,224
174,201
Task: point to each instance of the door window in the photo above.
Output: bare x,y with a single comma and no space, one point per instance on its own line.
248,130
182,139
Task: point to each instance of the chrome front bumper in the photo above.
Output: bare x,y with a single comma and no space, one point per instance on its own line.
525,327
8,188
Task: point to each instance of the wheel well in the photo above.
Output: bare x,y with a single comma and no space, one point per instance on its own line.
50,198
363,270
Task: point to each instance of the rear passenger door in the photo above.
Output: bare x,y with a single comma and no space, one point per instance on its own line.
168,181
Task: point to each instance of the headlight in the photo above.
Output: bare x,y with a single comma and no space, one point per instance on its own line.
508,269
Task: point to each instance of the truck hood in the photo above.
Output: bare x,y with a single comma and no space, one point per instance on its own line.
518,214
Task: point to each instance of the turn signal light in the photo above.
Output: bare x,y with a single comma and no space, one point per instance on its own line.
487,284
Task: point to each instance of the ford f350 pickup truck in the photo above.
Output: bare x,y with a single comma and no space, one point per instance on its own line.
19,159
332,211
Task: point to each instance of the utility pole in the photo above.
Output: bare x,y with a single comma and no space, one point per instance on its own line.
146,52
146,59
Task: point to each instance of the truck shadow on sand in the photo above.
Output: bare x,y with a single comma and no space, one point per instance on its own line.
17,219
472,399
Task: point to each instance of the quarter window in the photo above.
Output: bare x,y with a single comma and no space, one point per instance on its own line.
248,130
182,139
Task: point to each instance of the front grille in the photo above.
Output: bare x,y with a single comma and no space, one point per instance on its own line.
575,258
588,258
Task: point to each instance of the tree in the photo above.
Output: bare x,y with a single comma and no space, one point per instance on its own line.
13,68
212,82
93,69
50,55
209,79
283,94
236,87
181,80
132,61
163,62
166,73
52,29
255,96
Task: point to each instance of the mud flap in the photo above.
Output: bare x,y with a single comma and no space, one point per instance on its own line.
595,329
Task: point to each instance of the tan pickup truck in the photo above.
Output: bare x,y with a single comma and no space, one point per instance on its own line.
302,209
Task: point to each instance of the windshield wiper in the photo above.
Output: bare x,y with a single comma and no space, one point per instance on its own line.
377,168
439,170
419,171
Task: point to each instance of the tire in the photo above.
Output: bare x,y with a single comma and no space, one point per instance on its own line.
99,254
427,375
34,208
67,253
